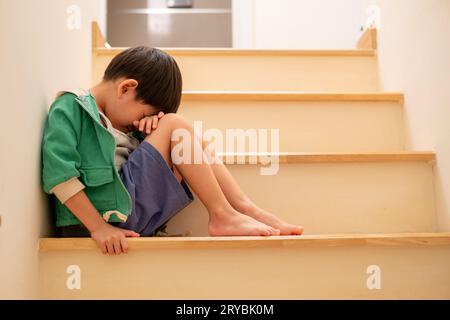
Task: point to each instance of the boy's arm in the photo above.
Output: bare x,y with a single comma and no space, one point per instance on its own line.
61,163
60,157
110,239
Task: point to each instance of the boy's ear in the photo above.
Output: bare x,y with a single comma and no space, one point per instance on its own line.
126,86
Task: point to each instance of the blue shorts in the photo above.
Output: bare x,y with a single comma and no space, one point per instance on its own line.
155,192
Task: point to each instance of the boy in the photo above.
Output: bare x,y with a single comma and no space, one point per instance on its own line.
107,159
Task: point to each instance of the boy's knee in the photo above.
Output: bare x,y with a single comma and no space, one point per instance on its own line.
173,122
167,124
173,119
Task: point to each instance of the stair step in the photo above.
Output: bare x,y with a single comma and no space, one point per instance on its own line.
409,266
291,96
246,52
258,69
307,121
249,242
329,193
330,157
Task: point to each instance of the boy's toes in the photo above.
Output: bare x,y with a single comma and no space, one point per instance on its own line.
274,232
270,230
291,230
297,230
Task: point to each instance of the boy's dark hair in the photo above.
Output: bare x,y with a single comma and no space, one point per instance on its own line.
160,81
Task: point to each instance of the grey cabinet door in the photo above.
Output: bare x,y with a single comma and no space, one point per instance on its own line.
152,22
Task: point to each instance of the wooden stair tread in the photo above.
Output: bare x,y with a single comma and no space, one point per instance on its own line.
332,157
320,240
246,52
101,47
292,96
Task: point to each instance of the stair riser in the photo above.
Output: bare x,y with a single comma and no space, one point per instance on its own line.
308,126
254,72
276,273
334,197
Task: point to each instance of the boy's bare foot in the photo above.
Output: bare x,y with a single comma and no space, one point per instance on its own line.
235,224
270,219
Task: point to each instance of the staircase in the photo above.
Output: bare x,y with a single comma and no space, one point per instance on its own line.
367,203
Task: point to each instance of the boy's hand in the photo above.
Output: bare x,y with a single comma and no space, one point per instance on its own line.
112,240
148,123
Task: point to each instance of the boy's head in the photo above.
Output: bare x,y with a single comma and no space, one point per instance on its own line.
147,81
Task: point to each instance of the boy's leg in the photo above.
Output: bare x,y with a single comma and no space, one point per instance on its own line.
242,203
223,218
177,173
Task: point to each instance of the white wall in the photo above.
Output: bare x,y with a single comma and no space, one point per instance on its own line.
39,55
414,57
297,24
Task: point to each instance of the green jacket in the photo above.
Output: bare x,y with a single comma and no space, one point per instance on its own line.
76,144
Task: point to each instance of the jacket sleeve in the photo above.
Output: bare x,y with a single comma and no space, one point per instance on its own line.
60,157
64,191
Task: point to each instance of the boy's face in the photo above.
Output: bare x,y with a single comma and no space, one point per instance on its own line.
124,109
